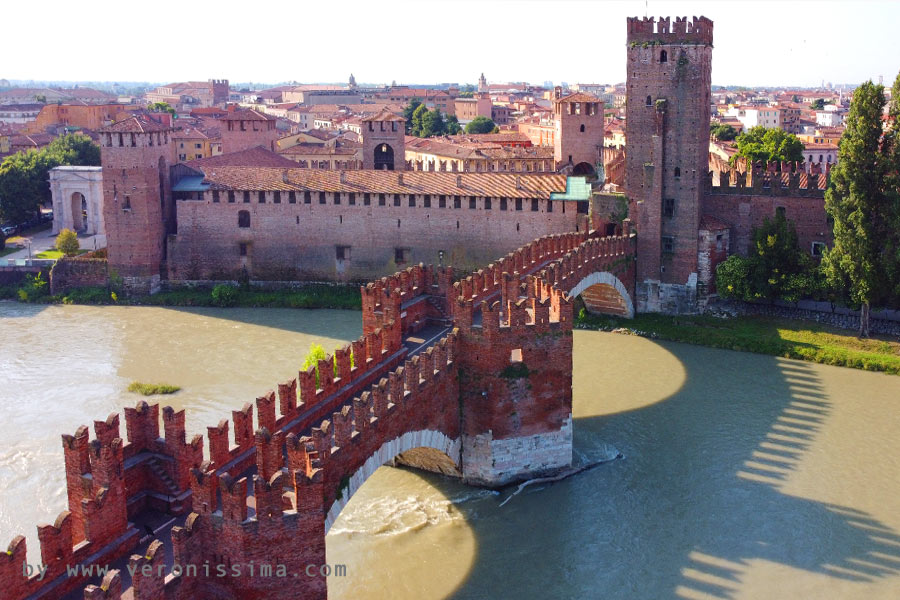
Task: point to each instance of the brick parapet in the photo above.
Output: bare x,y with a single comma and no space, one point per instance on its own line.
666,31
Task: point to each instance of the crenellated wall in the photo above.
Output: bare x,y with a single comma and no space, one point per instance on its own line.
493,396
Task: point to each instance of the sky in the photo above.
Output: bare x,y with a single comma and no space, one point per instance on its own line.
757,43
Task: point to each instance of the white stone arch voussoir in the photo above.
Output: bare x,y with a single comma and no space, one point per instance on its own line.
609,279
425,438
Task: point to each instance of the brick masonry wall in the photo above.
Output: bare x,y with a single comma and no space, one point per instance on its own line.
70,273
298,241
746,211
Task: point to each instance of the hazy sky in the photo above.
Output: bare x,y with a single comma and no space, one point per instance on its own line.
756,43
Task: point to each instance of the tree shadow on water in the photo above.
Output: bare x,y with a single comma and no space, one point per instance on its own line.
698,498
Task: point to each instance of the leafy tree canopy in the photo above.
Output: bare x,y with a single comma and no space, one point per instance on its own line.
722,132
762,144
161,107
480,125
453,127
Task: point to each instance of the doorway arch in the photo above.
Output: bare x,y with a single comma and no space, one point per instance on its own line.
79,208
584,168
383,157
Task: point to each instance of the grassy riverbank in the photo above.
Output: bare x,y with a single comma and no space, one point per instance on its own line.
778,337
303,296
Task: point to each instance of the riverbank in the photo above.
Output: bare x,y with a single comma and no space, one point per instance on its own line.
763,335
304,296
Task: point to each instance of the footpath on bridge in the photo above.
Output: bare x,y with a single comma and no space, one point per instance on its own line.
271,494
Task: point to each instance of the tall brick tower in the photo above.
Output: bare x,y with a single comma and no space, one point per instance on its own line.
137,205
667,154
243,129
384,142
578,139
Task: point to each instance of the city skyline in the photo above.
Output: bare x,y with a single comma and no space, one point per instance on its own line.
743,56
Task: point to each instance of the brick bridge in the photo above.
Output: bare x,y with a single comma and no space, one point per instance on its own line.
472,378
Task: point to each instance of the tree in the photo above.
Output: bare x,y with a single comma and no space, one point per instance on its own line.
480,125
24,175
818,104
722,132
432,124
408,111
862,199
453,127
776,267
67,242
417,117
762,144
161,107
795,98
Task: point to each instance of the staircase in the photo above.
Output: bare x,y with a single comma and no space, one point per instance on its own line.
168,484
437,303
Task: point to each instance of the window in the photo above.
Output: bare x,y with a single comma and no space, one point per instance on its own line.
502,203
292,197
401,255
244,218
127,204
472,202
321,197
817,248
198,146
231,196
549,206
307,197
487,204
534,206
342,252
677,172
337,197
457,203
246,197
582,128
412,201
215,195
668,244
515,356
442,201
663,57
649,101
780,211
426,201
276,197
262,197
669,207
396,199
381,199
518,204
367,199
718,242
243,248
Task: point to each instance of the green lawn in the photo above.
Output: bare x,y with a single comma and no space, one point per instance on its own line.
55,254
779,337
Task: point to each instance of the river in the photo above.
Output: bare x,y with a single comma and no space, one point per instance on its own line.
744,476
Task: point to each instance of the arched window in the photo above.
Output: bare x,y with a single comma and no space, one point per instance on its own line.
677,171
663,56
244,218
582,129
649,101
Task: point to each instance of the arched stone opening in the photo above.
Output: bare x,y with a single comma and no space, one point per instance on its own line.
416,448
79,212
383,157
584,168
603,293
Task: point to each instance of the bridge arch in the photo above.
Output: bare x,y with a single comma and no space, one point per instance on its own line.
604,283
411,440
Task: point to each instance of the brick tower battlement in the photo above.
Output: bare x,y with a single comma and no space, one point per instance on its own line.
667,128
666,31
138,210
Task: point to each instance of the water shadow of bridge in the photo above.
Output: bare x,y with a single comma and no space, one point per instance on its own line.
644,528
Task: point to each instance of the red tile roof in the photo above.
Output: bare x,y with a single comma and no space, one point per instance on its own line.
135,124
251,158
246,114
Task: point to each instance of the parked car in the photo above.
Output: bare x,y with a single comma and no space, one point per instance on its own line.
47,216
8,230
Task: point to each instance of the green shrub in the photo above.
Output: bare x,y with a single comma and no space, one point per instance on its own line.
67,242
150,389
224,295
315,354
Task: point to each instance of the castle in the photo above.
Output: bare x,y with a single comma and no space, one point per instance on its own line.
251,214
